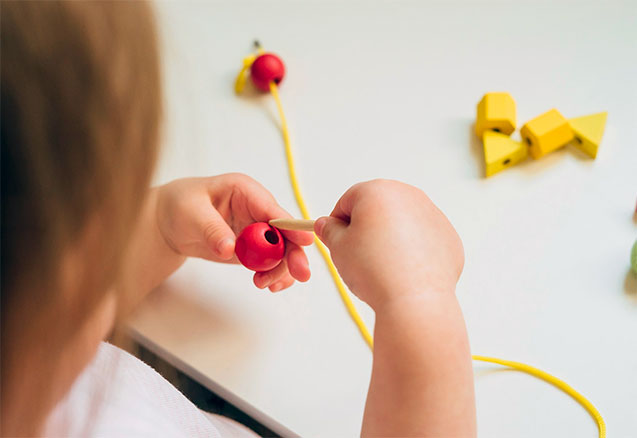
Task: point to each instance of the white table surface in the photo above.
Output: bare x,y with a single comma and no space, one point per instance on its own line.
388,89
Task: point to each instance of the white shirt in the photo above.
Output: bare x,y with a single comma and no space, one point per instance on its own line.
119,395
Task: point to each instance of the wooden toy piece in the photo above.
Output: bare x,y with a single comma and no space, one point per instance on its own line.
546,133
588,132
500,152
260,247
293,224
496,112
633,258
265,69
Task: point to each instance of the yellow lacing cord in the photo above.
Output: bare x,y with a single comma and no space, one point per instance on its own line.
242,76
560,384
343,292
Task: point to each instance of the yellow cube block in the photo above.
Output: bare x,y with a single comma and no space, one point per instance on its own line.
588,132
496,112
500,152
546,133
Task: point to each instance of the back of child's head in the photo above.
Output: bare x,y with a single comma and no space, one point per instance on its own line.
81,106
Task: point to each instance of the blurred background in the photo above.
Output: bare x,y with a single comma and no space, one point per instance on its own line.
389,89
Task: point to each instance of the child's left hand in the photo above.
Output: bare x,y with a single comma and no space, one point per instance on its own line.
200,217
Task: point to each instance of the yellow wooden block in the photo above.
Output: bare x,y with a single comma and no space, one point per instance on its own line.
496,112
588,132
546,133
500,152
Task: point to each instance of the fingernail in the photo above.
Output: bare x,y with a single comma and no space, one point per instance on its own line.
225,245
265,280
305,279
276,287
319,225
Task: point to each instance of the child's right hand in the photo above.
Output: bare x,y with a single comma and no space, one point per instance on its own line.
389,241
399,253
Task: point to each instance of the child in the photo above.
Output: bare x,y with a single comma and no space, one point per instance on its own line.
84,240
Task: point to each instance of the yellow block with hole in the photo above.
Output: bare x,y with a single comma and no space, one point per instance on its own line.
546,133
588,132
496,112
500,152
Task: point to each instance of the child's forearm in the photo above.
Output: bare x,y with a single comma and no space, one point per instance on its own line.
149,260
422,380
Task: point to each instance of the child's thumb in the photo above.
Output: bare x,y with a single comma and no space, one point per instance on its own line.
218,235
329,230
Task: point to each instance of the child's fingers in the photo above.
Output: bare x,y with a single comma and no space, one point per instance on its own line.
344,206
297,262
301,238
262,206
217,234
231,261
294,266
268,278
364,193
280,285
262,279
330,230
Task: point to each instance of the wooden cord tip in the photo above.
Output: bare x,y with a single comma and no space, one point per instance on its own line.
293,224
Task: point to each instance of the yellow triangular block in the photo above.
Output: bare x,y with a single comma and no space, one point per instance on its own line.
500,152
588,131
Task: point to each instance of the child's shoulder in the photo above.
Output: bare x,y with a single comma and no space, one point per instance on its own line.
119,395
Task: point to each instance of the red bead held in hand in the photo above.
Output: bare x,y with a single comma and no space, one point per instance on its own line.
265,69
260,247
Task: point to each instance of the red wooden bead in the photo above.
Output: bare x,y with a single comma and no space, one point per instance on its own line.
265,69
260,247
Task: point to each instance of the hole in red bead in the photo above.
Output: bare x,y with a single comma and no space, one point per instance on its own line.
277,80
272,237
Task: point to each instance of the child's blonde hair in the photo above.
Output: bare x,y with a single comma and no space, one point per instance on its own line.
81,106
